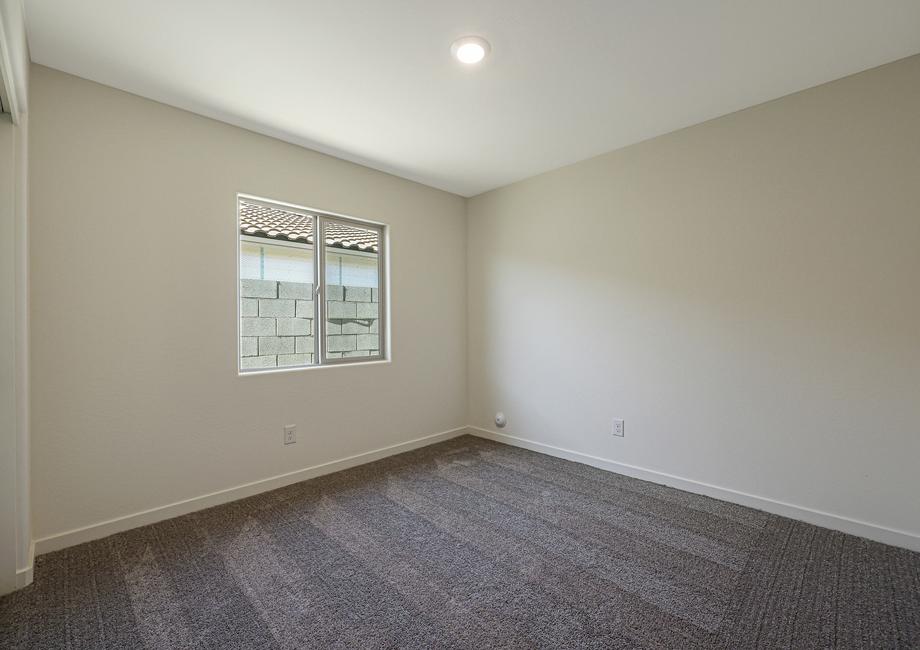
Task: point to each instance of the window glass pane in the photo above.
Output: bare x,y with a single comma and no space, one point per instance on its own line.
276,291
352,291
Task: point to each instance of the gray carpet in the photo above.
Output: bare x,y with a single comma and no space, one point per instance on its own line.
471,544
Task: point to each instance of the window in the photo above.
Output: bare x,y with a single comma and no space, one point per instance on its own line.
288,318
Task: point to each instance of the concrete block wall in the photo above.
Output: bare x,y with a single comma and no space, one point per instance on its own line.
276,323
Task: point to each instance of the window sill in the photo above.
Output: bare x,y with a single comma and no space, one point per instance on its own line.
273,371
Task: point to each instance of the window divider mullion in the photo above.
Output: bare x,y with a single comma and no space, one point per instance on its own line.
319,291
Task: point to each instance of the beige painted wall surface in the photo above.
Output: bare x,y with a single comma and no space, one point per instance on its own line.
136,401
745,293
8,443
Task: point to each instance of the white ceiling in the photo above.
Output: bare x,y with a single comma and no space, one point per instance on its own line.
372,81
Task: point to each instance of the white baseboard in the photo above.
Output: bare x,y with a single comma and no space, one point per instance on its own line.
58,541
109,527
24,574
874,532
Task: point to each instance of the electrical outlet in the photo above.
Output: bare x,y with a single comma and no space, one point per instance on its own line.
290,434
618,428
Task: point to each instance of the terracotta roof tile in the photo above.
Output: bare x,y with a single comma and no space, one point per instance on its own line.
260,220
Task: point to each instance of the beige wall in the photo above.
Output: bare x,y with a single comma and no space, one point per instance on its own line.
745,293
15,510
133,257
8,454
15,513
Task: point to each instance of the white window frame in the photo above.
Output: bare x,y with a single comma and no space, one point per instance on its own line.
320,218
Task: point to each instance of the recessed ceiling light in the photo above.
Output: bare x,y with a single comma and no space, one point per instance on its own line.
470,49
